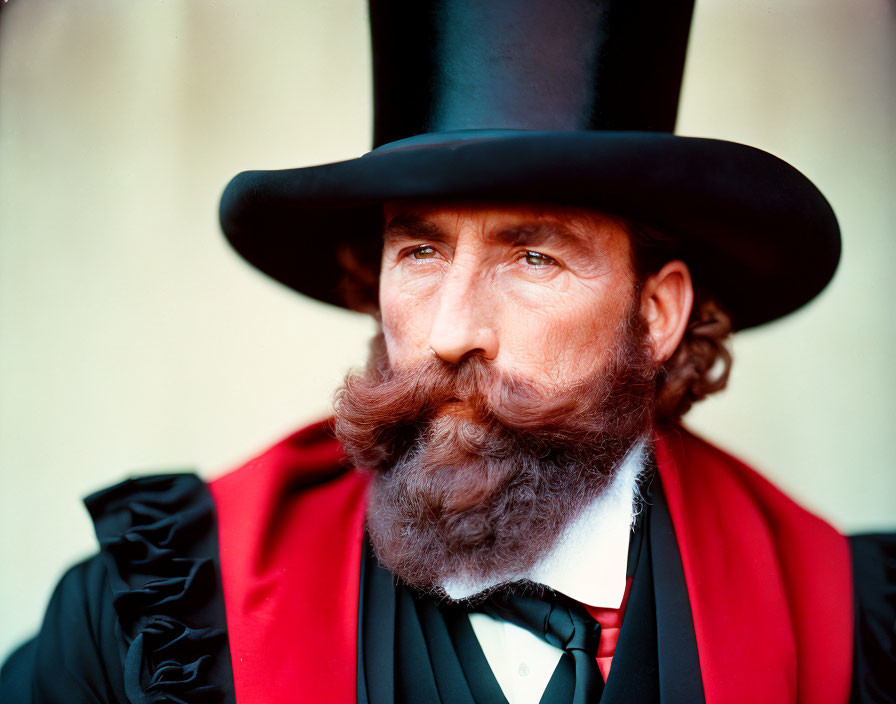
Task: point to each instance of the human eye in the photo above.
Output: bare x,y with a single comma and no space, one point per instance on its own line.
424,251
536,260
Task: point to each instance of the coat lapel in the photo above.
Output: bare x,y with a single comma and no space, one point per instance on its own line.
634,675
656,657
679,667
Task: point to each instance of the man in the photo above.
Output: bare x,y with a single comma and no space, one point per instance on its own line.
553,295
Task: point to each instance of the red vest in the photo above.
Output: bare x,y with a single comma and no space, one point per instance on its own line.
769,584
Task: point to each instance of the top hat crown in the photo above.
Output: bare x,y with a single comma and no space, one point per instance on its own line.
536,65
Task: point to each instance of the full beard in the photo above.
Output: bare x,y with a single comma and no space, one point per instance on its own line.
477,472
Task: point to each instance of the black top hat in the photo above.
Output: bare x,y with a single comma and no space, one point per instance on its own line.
552,101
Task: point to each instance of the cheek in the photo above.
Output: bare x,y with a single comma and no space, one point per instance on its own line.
564,337
404,319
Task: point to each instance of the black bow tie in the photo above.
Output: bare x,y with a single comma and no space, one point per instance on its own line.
563,623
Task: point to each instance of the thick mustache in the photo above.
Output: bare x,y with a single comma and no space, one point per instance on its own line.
392,408
392,405
416,394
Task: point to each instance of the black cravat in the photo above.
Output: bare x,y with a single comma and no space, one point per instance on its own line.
563,623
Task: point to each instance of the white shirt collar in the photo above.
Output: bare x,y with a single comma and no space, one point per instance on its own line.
589,561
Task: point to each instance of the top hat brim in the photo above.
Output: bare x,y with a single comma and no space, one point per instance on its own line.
754,230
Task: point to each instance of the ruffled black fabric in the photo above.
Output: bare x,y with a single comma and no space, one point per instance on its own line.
874,579
158,540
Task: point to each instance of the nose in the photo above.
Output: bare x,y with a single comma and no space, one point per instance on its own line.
463,321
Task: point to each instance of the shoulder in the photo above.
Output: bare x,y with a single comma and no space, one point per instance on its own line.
147,613
76,654
723,495
710,472
305,476
874,579
143,617
744,542
821,568
309,456
296,495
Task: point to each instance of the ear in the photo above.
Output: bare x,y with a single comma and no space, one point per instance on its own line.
666,301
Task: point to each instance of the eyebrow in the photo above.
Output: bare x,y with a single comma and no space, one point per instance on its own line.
541,233
412,227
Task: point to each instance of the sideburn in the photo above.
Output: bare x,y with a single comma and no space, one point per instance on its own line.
478,491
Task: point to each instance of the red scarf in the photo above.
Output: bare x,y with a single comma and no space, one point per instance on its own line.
769,584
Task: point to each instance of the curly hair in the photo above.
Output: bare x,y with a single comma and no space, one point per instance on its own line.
698,367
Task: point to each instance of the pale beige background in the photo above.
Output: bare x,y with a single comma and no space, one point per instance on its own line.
134,340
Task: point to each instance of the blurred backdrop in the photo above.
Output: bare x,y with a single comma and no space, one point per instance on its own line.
133,340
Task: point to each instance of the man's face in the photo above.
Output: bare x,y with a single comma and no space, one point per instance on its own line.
517,367
541,292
